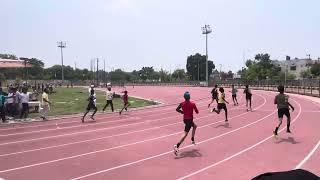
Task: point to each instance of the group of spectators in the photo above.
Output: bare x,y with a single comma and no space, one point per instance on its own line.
14,104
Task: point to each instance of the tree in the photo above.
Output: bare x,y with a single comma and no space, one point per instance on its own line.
260,68
287,76
37,69
315,69
148,73
179,74
119,76
305,74
198,62
164,76
230,75
8,56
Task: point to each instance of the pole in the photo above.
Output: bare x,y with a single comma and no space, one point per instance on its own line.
90,65
62,45
285,78
198,71
97,71
25,70
93,69
104,70
220,71
319,88
62,65
207,79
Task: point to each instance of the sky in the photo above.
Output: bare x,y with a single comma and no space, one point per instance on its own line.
130,34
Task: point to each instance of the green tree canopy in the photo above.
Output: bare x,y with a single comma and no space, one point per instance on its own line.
179,74
260,68
198,62
315,69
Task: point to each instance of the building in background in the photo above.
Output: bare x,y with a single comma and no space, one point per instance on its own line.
295,66
12,63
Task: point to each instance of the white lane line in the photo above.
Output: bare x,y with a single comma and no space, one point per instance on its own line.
239,153
106,137
142,111
139,142
308,156
95,130
169,152
311,152
82,125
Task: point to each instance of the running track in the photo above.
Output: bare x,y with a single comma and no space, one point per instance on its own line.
138,144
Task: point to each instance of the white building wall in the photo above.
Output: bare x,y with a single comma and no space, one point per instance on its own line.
295,66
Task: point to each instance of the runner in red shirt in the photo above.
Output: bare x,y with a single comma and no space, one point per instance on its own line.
126,104
187,110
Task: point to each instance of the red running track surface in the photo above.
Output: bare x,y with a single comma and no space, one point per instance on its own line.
138,144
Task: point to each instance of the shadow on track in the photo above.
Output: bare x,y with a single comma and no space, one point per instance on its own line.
289,140
192,154
226,125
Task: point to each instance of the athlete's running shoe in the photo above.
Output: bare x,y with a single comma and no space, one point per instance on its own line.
175,150
275,134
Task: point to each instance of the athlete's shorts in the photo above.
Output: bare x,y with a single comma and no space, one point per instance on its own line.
91,106
234,95
283,111
222,106
214,97
188,124
248,97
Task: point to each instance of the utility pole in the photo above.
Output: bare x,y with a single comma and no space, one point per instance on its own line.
309,56
62,45
198,71
97,71
93,70
220,71
206,30
104,70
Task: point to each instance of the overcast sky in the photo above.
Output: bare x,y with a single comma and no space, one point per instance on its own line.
130,34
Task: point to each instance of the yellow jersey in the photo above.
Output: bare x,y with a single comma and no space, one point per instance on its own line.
46,97
221,97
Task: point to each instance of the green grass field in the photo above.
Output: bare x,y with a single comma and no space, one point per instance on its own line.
66,101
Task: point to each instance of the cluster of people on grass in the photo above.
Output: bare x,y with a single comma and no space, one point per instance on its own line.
218,95
92,99
15,103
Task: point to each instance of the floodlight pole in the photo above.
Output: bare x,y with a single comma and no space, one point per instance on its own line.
206,30
62,45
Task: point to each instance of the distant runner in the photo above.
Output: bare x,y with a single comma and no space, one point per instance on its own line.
125,99
214,95
234,95
248,93
91,105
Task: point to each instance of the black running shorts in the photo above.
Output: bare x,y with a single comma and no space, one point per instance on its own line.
90,106
188,124
283,111
222,106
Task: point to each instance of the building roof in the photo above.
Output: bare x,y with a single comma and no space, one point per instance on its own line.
12,63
